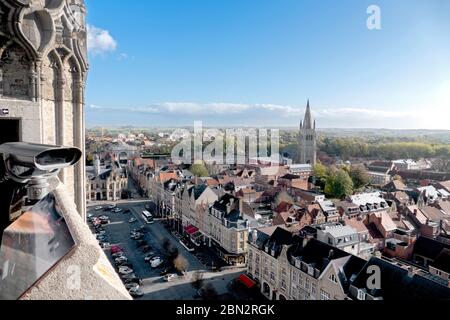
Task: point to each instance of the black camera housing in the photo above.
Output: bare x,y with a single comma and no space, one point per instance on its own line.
20,164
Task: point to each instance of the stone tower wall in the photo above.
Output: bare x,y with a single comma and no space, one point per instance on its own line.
43,69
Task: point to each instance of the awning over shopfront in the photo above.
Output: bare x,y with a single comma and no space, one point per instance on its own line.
249,283
191,229
197,235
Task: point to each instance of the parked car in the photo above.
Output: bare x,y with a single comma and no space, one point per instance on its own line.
128,280
150,255
117,210
98,208
170,277
136,293
112,206
125,270
121,260
117,255
137,236
116,249
105,245
129,276
132,220
132,285
125,264
156,262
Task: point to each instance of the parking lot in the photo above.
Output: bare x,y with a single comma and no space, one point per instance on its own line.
153,285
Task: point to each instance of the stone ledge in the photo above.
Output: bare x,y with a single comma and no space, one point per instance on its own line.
86,273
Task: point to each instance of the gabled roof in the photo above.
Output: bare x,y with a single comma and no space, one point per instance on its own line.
401,197
224,201
429,248
432,213
290,177
197,191
358,225
398,285
396,185
386,221
282,236
445,185
444,206
442,262
317,253
283,207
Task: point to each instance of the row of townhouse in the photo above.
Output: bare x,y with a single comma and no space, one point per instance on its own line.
288,266
207,215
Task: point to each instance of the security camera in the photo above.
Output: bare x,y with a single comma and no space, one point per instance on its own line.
24,172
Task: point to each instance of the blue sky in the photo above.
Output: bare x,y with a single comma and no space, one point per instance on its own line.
256,62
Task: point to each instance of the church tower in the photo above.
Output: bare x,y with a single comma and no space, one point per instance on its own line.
308,139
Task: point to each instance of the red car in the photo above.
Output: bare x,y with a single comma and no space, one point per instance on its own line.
116,249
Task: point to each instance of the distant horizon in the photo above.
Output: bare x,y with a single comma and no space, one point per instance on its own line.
239,63
256,127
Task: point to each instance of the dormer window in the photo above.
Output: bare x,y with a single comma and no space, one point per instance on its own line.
333,278
311,271
361,295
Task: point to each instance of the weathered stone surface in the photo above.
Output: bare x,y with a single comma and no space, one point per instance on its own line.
43,69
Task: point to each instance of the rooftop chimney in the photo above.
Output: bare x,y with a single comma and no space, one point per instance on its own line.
331,254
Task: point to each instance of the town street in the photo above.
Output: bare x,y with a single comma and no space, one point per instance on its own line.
154,286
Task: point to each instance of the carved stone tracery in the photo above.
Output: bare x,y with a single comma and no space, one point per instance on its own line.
43,62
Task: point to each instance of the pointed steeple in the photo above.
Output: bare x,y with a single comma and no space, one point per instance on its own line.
308,123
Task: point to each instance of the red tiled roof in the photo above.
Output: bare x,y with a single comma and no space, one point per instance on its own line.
166,176
283,207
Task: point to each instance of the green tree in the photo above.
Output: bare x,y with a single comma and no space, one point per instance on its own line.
199,170
329,186
320,171
320,175
359,175
343,184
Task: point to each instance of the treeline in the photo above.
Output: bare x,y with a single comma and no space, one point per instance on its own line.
359,148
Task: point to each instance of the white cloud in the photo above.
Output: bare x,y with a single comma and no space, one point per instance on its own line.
199,109
285,115
100,41
361,113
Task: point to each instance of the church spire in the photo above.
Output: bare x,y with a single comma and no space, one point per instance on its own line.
308,123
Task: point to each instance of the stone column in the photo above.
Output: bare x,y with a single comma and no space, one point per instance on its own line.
34,81
59,107
80,169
